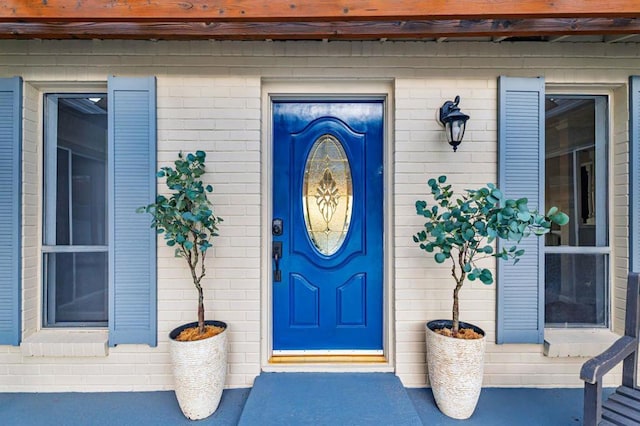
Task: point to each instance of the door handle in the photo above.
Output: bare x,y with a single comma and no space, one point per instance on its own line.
277,255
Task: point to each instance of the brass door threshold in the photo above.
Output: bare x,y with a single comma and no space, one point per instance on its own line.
327,359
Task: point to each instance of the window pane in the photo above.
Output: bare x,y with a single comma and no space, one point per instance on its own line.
81,199
576,289
571,169
80,291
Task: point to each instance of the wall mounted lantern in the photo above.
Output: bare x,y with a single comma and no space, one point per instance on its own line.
453,121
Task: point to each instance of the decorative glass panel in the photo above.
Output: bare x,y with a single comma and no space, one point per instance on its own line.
327,194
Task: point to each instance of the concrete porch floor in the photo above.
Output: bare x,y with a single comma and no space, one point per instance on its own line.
497,406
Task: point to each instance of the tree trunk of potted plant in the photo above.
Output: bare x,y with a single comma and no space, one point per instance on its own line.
198,350
199,355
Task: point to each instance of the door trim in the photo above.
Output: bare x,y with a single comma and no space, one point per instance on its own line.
339,90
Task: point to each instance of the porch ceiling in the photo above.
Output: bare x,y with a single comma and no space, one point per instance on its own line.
440,20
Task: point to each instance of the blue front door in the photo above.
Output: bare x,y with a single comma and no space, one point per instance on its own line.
328,233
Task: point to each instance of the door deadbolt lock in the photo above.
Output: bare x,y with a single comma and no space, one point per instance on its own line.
276,227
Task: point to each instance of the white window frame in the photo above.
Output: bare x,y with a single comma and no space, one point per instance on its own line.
49,213
603,102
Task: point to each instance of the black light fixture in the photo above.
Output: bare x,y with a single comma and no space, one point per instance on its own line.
454,122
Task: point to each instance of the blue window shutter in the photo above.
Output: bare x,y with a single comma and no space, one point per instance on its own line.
634,173
10,209
520,287
132,183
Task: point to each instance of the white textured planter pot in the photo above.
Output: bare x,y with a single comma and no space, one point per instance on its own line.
455,369
199,371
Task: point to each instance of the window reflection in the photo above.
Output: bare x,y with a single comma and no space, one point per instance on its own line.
570,182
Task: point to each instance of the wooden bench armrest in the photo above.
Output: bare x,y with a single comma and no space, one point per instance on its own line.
593,370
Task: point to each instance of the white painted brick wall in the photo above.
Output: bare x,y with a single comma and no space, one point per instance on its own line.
31,187
619,164
209,97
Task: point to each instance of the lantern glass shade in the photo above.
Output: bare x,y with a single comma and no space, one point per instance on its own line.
455,131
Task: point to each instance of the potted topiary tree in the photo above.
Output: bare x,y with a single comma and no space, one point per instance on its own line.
461,229
198,349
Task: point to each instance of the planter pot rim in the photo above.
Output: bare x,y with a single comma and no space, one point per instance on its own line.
176,331
442,323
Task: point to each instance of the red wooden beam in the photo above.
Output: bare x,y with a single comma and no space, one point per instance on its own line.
340,30
307,10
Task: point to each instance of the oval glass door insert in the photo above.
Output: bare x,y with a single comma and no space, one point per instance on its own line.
327,194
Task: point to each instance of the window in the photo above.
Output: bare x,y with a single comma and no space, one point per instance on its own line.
98,255
577,255
75,247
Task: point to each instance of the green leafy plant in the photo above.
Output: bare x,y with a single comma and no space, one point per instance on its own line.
463,227
186,217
